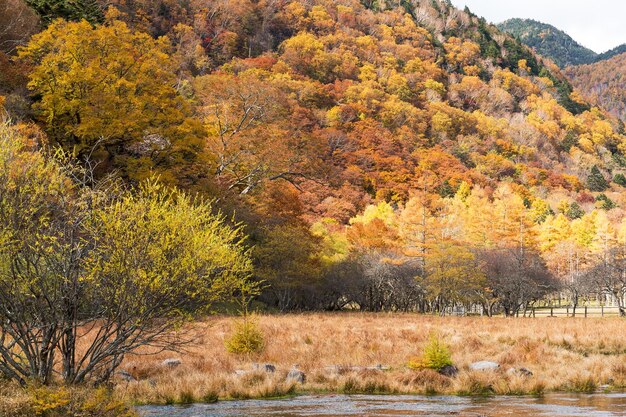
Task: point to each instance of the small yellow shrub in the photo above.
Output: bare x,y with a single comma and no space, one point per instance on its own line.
99,403
436,355
60,401
247,338
47,401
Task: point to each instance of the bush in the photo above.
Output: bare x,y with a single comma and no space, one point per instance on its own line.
186,397
436,355
580,383
247,338
210,397
50,401
620,179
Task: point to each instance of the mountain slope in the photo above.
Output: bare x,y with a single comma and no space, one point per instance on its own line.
364,103
603,83
549,42
334,130
611,53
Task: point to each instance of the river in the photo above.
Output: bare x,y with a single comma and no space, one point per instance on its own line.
549,405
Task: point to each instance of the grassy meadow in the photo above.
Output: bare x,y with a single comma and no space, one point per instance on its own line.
338,352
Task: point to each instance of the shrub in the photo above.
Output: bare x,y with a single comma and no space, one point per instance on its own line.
247,338
186,397
580,383
48,401
620,179
436,355
52,401
100,403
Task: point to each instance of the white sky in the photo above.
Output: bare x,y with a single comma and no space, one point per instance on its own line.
598,24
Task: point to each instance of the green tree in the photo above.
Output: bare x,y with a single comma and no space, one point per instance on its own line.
574,211
605,202
620,179
286,261
49,10
596,181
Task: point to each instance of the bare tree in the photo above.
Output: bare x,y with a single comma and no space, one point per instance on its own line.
609,277
517,278
378,281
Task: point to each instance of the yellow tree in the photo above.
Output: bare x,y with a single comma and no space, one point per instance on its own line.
514,226
376,228
477,217
453,275
159,258
420,226
552,231
108,92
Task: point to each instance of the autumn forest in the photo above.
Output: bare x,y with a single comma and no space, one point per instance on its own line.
297,167
383,155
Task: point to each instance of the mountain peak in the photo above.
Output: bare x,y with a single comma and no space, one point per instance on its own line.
549,41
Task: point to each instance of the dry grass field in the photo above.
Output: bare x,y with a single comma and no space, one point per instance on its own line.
563,355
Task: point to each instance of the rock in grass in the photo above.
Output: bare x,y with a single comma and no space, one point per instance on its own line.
449,370
268,367
172,363
296,375
484,366
520,371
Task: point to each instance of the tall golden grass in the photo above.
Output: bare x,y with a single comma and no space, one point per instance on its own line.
563,354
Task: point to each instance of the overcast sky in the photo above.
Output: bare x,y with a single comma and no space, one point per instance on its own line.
597,24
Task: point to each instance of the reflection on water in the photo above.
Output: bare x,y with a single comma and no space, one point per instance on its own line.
553,405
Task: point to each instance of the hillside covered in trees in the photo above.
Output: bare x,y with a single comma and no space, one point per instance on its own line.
604,83
380,155
549,41
555,44
599,77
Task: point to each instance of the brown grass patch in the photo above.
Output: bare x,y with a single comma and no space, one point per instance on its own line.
332,349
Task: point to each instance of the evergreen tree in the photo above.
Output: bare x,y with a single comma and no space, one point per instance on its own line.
50,10
605,202
446,190
575,212
596,181
620,179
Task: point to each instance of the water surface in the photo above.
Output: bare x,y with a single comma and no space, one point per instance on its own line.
552,405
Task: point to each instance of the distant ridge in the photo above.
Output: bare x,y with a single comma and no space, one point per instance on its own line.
554,43
549,41
619,50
